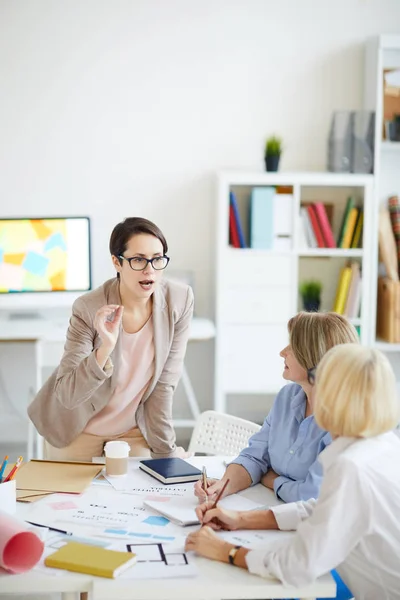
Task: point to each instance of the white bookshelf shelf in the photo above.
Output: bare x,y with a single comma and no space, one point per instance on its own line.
386,347
255,252
300,178
390,146
331,252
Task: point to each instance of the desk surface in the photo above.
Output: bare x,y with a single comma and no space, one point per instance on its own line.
215,580
54,330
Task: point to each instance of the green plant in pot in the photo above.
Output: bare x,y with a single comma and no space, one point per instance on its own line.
273,151
310,292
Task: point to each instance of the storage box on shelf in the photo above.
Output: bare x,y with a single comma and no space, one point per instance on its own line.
383,57
257,288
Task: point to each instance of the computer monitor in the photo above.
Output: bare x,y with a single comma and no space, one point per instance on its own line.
44,262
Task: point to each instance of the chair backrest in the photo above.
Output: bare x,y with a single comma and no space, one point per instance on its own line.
220,434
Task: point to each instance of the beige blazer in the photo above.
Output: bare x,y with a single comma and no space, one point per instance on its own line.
78,389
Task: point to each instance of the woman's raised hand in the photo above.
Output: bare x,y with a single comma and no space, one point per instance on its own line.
107,323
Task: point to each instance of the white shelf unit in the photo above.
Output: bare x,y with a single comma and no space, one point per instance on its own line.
257,290
382,52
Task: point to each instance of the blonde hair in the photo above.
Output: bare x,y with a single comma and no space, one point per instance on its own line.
355,393
312,334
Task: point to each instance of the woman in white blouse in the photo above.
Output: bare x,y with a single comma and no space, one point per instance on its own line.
354,526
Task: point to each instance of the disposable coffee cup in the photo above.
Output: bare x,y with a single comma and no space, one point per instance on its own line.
117,454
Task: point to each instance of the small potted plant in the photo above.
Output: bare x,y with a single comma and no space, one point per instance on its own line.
310,292
273,151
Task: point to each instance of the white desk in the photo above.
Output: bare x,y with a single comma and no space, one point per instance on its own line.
215,580
47,340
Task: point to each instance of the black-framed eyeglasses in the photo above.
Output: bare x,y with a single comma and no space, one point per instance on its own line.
139,263
311,375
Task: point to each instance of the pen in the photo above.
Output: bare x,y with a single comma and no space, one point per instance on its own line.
3,467
217,499
13,471
50,528
205,480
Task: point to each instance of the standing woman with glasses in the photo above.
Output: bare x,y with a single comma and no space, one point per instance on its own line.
283,455
123,357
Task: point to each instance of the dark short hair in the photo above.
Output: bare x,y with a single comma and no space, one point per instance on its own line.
124,231
131,226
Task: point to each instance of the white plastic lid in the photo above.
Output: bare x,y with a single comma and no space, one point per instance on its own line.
117,449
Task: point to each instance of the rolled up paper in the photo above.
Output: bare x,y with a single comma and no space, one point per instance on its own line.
20,549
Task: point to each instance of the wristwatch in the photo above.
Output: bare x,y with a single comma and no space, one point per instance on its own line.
232,554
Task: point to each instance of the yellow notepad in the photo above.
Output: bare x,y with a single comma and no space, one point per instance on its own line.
93,560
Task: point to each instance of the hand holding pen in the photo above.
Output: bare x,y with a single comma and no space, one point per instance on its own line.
212,507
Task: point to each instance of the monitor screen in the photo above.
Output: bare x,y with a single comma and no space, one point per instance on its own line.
45,255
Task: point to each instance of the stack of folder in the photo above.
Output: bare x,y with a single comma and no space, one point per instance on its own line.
39,478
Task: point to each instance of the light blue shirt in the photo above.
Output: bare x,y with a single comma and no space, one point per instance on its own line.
289,444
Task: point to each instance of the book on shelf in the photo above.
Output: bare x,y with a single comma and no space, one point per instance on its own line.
356,241
316,226
342,290
353,300
349,229
324,224
307,228
233,203
349,205
233,232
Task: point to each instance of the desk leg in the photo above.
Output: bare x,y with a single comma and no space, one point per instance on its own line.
191,396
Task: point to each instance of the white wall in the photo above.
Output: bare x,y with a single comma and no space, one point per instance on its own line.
127,107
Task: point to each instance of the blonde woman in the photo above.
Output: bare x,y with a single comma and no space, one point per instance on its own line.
354,526
283,455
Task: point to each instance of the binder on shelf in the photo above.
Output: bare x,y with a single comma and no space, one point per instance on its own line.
262,217
315,226
342,290
349,206
302,234
324,224
239,228
282,221
350,227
